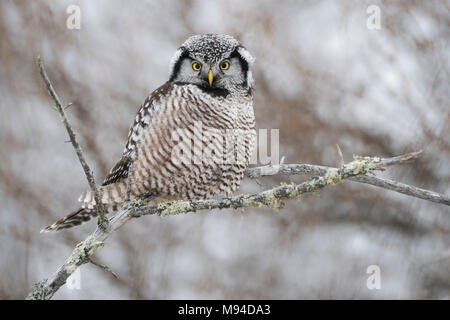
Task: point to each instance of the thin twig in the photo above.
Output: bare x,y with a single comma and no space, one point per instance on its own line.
104,267
341,157
102,220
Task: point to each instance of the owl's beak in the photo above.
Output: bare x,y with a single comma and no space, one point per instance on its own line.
210,77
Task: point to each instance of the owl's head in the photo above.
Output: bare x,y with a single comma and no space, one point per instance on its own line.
214,62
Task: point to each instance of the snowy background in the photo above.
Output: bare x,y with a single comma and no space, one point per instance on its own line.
322,77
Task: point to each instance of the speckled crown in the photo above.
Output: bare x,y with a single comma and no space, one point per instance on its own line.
210,47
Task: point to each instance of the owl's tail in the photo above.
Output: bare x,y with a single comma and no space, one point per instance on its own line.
111,196
73,219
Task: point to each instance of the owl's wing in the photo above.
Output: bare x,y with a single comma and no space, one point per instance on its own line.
118,172
142,120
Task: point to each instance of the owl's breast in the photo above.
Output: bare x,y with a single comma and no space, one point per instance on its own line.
196,146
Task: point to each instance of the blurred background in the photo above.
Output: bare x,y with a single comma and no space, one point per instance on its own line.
321,76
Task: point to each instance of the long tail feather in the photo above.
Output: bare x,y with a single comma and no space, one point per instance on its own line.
73,219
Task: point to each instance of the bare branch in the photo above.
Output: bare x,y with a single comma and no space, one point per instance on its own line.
296,169
102,220
404,189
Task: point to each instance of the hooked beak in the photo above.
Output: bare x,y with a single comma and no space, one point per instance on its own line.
210,77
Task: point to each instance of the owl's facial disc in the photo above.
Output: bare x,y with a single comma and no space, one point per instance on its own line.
212,62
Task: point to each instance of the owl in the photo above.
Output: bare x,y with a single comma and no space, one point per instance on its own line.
192,138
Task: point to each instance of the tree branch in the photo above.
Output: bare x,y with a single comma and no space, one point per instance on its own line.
102,220
296,169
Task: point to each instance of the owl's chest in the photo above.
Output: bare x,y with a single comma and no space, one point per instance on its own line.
230,113
197,147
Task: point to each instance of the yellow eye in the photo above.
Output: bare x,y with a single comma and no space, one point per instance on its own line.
196,66
225,65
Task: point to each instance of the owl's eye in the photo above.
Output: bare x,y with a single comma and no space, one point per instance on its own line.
225,65
196,66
